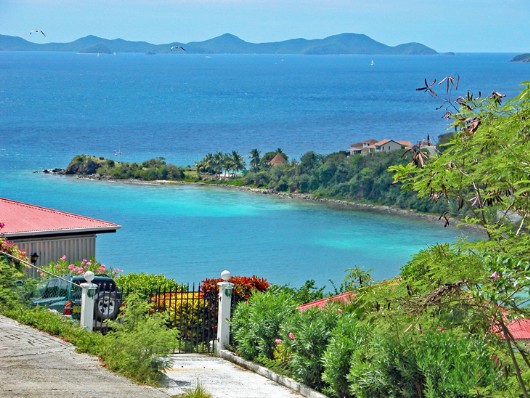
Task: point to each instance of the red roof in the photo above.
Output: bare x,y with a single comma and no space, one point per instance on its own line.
520,329
23,219
346,298
278,159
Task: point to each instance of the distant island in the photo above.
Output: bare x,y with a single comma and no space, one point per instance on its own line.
522,58
345,43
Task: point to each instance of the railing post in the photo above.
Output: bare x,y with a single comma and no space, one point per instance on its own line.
223,317
88,291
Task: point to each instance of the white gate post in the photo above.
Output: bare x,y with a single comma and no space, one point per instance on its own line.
88,291
225,301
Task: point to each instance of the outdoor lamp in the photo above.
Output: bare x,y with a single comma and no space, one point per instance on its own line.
34,257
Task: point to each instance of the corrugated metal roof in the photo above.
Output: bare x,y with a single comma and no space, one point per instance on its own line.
21,219
520,329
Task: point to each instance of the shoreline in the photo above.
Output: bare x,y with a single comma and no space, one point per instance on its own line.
336,203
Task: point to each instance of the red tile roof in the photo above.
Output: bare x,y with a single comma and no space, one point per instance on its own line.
23,219
346,298
278,159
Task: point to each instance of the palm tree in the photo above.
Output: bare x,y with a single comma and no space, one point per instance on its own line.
237,162
255,160
218,163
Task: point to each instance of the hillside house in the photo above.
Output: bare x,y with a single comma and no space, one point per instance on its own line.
373,146
46,234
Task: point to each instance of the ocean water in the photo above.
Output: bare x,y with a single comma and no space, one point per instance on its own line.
56,105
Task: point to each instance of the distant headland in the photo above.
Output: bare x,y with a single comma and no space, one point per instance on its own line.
522,58
345,43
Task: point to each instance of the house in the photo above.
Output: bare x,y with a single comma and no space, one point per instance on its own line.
46,234
277,159
363,148
373,146
391,145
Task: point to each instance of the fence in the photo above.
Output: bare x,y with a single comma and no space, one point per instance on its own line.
190,310
193,311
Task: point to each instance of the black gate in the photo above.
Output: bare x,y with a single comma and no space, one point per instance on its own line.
192,312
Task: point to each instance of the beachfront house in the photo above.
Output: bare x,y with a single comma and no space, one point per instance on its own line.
46,234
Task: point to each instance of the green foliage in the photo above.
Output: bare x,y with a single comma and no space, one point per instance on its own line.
349,334
9,274
138,343
143,282
307,334
304,294
198,392
256,323
149,170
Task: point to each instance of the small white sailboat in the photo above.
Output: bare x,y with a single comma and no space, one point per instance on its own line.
372,63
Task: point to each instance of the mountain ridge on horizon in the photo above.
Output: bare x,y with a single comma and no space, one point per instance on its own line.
343,43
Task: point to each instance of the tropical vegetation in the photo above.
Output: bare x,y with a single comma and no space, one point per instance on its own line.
443,327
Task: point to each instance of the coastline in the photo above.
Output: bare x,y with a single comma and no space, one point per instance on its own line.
335,203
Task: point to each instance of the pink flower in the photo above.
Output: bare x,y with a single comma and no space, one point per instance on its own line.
441,329
63,257
495,275
2,225
57,266
71,267
291,335
278,341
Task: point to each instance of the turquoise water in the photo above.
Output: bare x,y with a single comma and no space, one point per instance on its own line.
54,106
190,233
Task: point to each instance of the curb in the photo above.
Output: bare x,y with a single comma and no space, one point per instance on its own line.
262,371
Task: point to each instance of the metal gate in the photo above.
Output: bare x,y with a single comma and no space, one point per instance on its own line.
192,312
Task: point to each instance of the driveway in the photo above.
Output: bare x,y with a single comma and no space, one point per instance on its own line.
34,364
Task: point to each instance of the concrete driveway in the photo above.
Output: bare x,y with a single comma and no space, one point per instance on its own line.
35,364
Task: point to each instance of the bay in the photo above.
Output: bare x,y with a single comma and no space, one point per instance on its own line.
56,105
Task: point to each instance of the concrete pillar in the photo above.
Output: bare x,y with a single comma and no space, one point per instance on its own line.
225,301
88,291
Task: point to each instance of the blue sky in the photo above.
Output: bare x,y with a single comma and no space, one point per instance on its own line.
450,25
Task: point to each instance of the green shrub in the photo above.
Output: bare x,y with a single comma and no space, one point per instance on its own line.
454,366
349,334
307,334
256,323
146,283
138,343
304,294
434,364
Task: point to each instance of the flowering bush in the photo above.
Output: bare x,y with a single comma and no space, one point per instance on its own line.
64,267
10,248
244,286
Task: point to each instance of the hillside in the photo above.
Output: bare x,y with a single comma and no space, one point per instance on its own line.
522,58
345,43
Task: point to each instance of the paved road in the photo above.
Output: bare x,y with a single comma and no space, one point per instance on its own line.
34,364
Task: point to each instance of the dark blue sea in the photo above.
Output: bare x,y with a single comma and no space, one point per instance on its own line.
56,105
